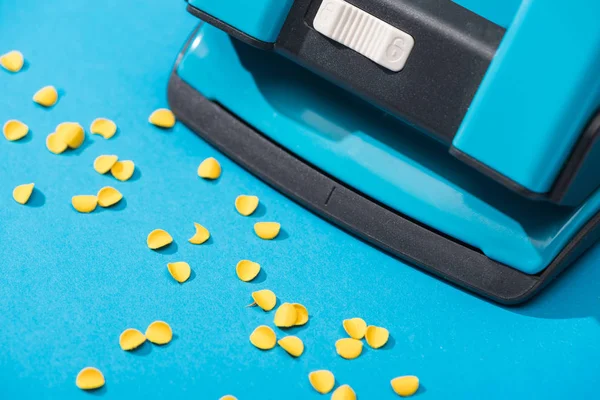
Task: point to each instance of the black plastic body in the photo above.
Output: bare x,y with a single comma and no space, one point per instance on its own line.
453,49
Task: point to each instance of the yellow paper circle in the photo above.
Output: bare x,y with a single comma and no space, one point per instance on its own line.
247,270
405,385
301,314
265,299
180,271
103,163
209,169
158,238
376,336
246,205
292,344
349,348
355,327
46,96
202,234
103,127
344,392
89,378
84,203
322,381
55,143
159,332
163,118
123,170
263,338
108,196
285,316
14,130
22,193
131,339
267,230
71,133
12,61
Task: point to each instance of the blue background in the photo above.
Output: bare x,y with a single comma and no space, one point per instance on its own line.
71,283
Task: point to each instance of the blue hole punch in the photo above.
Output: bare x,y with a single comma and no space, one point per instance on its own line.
460,136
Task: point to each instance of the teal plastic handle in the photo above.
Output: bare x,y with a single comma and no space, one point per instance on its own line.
540,91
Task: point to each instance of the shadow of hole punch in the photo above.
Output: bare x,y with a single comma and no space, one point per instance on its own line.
37,199
137,174
283,235
192,277
98,392
168,250
391,343
260,278
165,346
211,182
209,242
144,350
26,139
296,329
260,211
75,152
421,391
121,205
573,294
25,66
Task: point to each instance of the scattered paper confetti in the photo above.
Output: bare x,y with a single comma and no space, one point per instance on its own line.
322,381
355,327
246,205
22,193
12,61
247,270
209,169
131,339
159,332
14,130
376,337
202,234
267,230
84,203
263,338
103,127
158,238
292,344
89,378
405,385
180,271
163,118
349,348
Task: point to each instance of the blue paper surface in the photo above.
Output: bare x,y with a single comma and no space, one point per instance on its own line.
71,283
